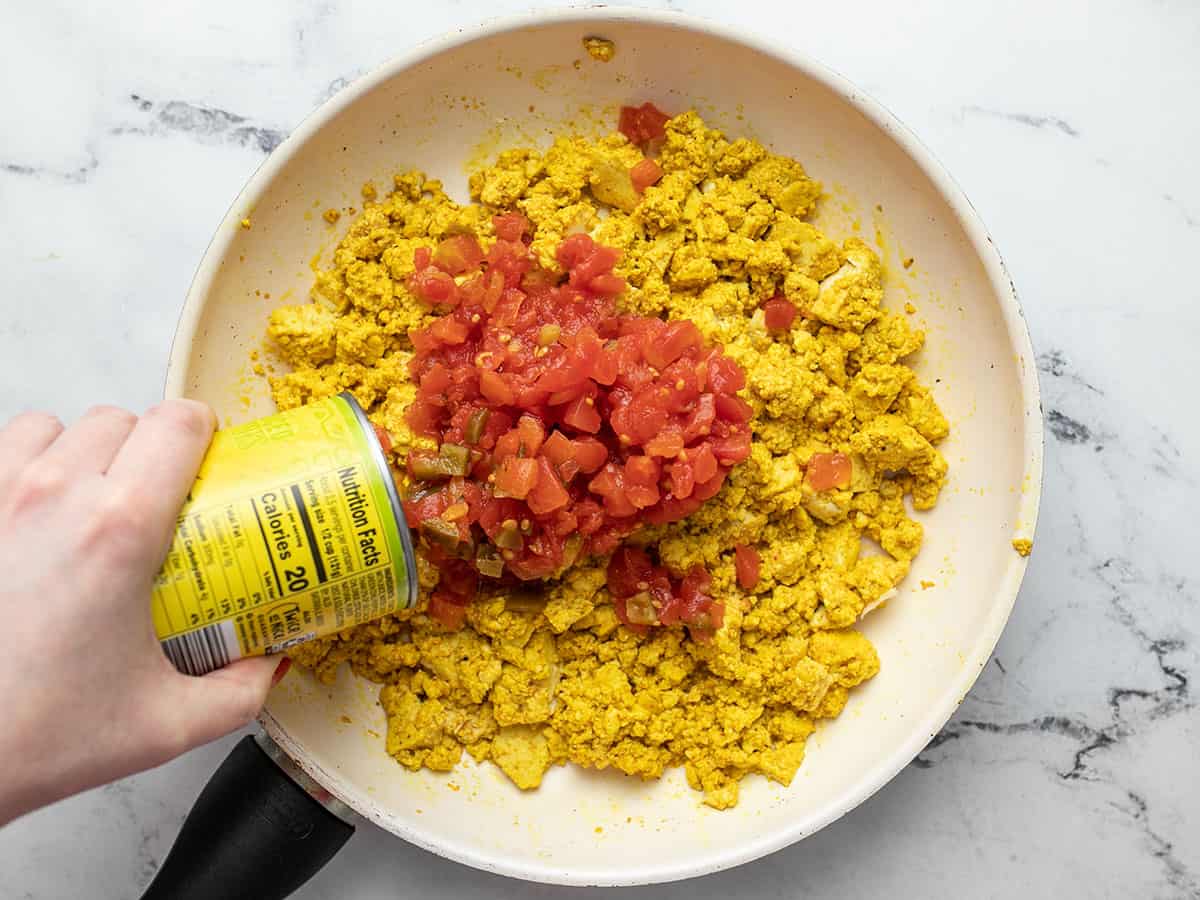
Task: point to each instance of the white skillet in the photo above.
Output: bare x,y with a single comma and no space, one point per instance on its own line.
456,100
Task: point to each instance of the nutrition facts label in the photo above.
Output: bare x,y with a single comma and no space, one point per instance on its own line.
284,565
254,572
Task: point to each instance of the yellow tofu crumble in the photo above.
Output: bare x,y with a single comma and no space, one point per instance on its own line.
531,685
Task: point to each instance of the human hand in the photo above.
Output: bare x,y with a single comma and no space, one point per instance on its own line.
86,518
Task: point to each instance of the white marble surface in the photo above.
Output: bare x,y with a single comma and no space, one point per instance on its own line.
1070,769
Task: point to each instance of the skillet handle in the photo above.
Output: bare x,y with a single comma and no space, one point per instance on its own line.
253,834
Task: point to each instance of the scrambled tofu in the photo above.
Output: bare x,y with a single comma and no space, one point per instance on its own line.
600,49
535,682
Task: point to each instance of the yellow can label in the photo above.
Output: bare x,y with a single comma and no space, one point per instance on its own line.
293,530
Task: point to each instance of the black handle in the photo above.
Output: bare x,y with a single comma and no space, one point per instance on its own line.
253,834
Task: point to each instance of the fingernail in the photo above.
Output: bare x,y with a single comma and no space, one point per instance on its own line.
281,670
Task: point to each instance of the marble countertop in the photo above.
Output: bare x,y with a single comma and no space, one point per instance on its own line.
1069,771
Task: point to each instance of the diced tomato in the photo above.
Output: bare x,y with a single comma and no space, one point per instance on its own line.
569,394
444,610
508,444
589,515
641,481
746,565
558,448
695,587
435,380
597,264
732,449
579,423
779,313
548,494
641,419
560,451
423,417
511,259
458,254
573,250
703,632
682,386
827,471
533,566
672,342
696,607
568,470
645,326
706,490
508,308
689,599
645,594
531,397
590,453
495,511
667,443
516,477
644,174
609,483
498,423
618,504
671,509
704,463
734,409
683,479
642,123
716,613
724,375
607,284
699,423
581,415
428,506
450,330
495,389
458,580
483,290
532,433
662,591
585,349
538,282
629,571
565,523
568,375
604,367
433,286
510,226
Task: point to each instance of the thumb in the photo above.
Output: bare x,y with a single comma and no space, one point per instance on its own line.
225,700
